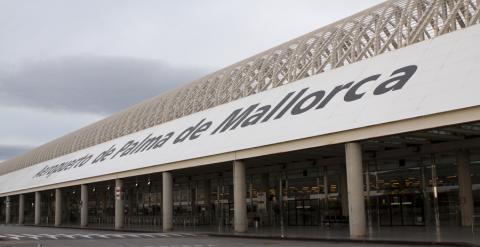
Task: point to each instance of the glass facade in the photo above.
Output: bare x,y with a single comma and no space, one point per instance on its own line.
403,186
47,207
143,200
29,208
2,207
399,193
101,204
71,206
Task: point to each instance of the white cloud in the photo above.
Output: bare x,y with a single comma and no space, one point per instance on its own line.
22,126
89,83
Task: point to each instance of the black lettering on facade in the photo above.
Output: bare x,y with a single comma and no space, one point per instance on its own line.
332,94
294,102
142,143
150,143
187,132
162,141
259,113
301,108
291,103
278,106
235,119
397,82
123,149
352,93
200,130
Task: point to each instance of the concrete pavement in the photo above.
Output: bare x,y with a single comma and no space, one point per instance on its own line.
24,236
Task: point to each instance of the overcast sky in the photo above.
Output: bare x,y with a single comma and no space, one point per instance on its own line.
65,64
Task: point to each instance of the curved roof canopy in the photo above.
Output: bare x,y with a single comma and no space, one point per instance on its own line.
387,26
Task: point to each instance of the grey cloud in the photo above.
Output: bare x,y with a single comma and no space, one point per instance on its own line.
8,151
94,84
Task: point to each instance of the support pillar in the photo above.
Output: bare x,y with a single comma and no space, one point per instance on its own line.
356,201
239,197
58,207
119,204
167,201
465,188
21,209
83,205
8,211
38,201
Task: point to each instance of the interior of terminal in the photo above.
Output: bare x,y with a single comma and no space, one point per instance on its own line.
423,178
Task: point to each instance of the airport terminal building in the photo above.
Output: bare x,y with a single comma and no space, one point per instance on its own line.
372,121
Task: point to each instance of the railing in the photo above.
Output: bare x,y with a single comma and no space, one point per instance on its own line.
101,221
47,220
474,220
185,220
144,222
29,219
14,219
191,220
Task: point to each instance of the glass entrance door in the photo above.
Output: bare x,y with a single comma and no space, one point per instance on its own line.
399,197
401,210
303,212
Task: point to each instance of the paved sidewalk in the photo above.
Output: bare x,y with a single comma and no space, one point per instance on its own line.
456,236
445,236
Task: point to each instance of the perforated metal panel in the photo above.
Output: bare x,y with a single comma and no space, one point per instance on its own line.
385,27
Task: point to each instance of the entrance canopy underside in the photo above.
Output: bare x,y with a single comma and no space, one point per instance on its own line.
412,147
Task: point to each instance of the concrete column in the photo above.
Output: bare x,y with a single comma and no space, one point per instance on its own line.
83,205
119,204
21,209
38,202
356,202
239,197
8,211
58,207
167,201
465,188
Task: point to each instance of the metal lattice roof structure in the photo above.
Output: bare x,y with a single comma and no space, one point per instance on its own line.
388,26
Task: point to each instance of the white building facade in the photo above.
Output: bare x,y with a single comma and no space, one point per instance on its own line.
370,121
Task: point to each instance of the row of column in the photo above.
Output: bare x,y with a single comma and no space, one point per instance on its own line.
241,222
354,184
119,205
